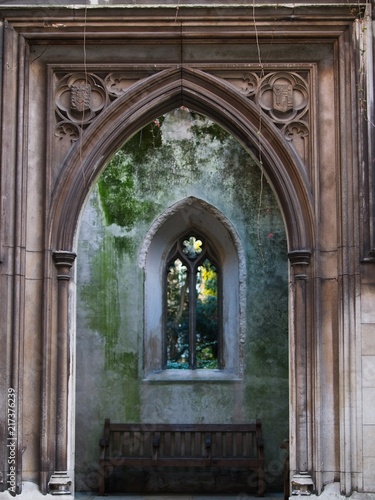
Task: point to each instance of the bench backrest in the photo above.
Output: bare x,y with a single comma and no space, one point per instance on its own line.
183,440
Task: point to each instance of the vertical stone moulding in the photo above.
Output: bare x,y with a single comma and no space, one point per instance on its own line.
301,482
60,482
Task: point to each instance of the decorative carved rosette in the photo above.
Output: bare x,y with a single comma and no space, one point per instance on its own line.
68,131
283,96
80,98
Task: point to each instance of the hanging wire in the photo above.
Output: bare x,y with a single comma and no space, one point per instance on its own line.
259,134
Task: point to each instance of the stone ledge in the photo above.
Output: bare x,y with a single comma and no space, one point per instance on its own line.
30,491
190,376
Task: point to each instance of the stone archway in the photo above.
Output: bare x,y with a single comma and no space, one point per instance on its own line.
203,93
145,100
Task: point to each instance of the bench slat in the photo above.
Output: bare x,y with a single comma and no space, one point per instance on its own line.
182,445
113,427
177,445
179,462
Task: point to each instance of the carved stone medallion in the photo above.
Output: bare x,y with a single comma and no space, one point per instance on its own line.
80,97
282,97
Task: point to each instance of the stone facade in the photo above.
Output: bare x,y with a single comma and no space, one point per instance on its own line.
294,84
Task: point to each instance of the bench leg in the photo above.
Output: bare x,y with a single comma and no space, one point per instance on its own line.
101,480
261,482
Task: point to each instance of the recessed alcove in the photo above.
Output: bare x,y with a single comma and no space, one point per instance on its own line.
182,172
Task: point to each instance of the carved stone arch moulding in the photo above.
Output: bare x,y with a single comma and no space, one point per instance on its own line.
156,95
281,94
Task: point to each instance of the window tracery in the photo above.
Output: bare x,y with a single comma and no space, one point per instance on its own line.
192,305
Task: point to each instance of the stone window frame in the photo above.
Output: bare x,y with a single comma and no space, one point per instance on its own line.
192,214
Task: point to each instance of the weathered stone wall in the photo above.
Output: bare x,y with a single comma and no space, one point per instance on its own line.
228,61
366,343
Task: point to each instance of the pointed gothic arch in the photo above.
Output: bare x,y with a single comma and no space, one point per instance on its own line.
147,99
209,96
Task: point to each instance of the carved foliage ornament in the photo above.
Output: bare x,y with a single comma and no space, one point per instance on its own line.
66,130
117,83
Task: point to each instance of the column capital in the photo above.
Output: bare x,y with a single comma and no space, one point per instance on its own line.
64,257
299,257
299,260
63,260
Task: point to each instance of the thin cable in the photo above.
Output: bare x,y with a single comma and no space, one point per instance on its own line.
262,75
84,42
259,133
86,82
257,41
177,9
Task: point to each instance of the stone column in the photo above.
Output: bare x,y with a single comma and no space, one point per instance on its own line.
60,482
301,480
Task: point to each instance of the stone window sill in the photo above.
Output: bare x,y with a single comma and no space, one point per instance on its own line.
191,376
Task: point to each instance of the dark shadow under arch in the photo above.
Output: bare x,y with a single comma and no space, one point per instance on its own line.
155,96
227,243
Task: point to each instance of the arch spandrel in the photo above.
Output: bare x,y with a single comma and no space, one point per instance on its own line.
203,93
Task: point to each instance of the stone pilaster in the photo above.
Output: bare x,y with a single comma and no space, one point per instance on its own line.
301,480
60,482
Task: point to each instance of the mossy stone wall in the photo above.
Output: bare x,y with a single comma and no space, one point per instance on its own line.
178,155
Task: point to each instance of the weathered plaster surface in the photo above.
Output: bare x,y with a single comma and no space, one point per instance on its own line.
110,330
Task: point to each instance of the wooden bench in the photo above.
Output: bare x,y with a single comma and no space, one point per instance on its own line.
182,445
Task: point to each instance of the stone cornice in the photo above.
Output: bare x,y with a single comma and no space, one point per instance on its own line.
187,12
141,4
